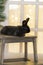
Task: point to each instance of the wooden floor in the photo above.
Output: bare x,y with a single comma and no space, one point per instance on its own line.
31,62
22,63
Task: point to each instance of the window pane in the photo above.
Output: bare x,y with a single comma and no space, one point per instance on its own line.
40,22
41,0
40,42
14,0
29,11
29,0
14,15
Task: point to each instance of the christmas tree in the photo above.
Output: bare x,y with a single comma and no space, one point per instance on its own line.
2,8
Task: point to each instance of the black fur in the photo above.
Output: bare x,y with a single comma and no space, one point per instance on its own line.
16,30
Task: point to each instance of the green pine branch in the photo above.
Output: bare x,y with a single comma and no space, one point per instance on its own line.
2,8
3,1
2,17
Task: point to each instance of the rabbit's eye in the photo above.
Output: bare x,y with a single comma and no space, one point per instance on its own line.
24,23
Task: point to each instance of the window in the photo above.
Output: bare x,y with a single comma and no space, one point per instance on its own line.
30,0
40,22
14,14
21,9
41,0
14,0
29,11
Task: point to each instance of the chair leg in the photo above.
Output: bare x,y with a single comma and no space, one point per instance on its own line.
2,51
25,51
35,50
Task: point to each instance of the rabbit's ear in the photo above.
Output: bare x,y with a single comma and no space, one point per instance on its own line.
27,19
24,22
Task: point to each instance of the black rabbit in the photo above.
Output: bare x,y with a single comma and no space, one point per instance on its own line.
16,30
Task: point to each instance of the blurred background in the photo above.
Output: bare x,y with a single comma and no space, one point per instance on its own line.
18,10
